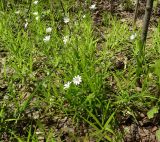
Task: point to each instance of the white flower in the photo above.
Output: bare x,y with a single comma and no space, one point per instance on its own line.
26,25
35,13
46,38
65,39
84,16
17,12
35,2
133,36
37,18
77,80
67,85
66,19
48,30
92,7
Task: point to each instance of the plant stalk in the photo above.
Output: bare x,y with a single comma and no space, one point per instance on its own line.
141,54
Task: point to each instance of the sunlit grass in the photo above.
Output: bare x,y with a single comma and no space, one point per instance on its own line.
54,69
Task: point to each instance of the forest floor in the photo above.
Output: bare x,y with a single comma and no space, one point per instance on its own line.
39,110
143,130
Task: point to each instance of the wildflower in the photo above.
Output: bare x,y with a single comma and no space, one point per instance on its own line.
35,2
133,36
17,12
25,25
84,16
77,80
92,7
65,39
37,18
48,30
66,19
35,13
67,85
46,38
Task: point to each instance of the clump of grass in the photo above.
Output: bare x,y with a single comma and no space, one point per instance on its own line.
54,68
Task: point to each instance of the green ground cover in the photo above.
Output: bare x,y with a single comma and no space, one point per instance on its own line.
61,81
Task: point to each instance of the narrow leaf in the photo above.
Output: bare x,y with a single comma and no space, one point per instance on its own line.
94,117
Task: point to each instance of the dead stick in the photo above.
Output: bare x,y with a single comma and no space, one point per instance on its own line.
136,12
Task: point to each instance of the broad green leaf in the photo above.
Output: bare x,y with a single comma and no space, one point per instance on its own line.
157,68
152,112
158,134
